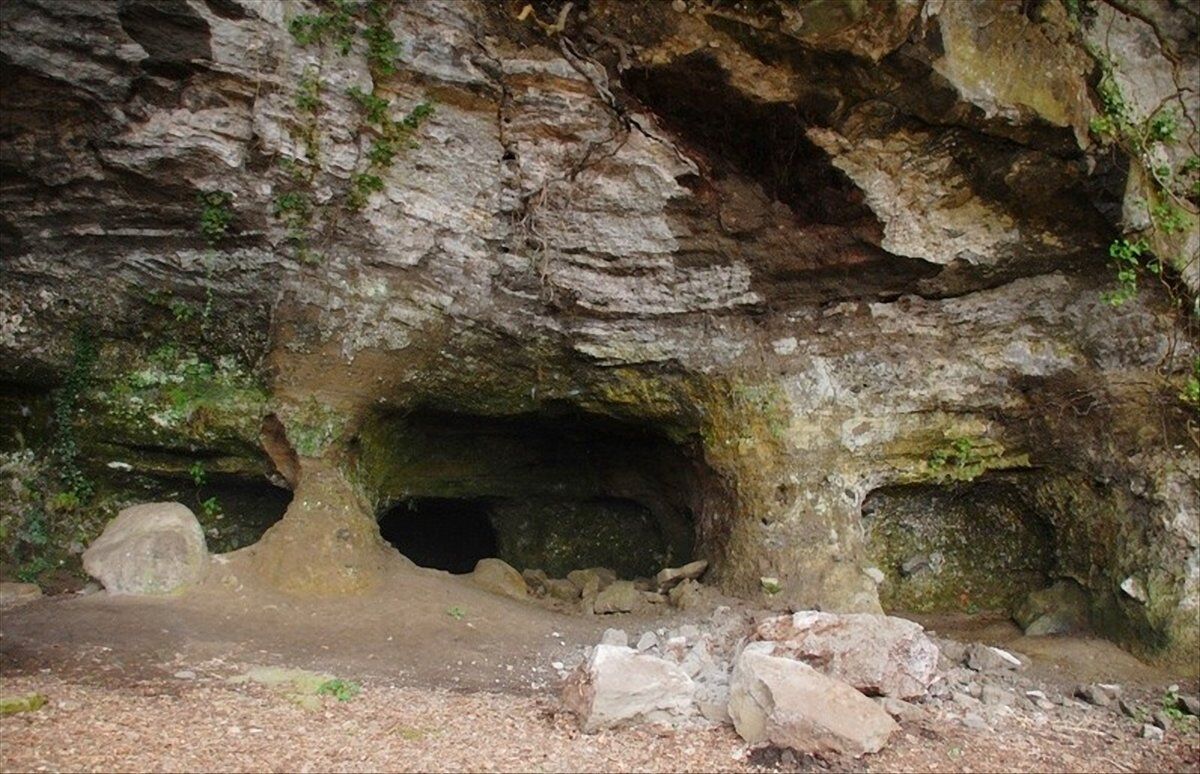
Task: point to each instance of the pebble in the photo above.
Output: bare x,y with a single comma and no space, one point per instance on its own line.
185,674
647,641
1153,733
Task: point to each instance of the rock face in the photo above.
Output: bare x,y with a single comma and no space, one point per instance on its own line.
1058,609
878,655
788,703
794,255
154,548
617,685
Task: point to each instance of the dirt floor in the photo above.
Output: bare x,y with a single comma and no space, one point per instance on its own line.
454,678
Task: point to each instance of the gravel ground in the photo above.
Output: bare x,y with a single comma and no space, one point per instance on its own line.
208,724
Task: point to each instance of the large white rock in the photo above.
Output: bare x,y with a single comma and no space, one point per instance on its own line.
154,548
788,703
618,686
878,654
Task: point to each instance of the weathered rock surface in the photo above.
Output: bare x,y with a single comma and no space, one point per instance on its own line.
17,594
153,548
788,703
1058,609
617,686
499,577
892,278
878,655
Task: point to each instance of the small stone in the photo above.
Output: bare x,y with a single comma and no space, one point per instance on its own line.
1128,708
875,574
984,658
536,581
1135,589
686,595
1099,694
185,674
1153,733
689,632
670,576
614,637
601,576
1189,704
557,665
975,722
618,597
964,699
1161,720
994,695
679,6
647,641
905,712
561,589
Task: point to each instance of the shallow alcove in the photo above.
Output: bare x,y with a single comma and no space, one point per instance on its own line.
959,547
556,490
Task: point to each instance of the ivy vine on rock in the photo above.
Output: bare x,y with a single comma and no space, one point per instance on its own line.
339,24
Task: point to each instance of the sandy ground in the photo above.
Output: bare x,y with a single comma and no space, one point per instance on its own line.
142,684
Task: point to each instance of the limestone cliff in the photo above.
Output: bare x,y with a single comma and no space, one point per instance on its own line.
788,253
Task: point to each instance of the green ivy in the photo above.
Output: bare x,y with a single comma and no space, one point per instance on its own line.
216,214
64,446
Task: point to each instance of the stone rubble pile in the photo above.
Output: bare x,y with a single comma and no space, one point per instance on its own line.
597,590
832,685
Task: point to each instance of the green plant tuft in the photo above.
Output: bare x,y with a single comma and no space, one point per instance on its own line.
216,214
342,690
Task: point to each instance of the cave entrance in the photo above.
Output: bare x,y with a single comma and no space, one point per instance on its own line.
557,490
439,532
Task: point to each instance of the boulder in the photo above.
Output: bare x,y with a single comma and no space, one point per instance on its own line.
16,594
618,686
670,576
786,702
619,597
686,595
499,577
536,581
562,589
598,578
877,654
1059,609
985,658
154,548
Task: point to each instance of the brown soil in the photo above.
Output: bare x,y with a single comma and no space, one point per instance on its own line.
141,684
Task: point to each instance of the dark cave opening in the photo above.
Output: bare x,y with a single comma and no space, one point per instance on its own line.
557,490
441,532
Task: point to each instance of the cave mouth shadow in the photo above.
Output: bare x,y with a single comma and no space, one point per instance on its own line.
555,490
440,532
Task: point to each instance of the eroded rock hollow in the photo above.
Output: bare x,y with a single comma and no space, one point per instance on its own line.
801,289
